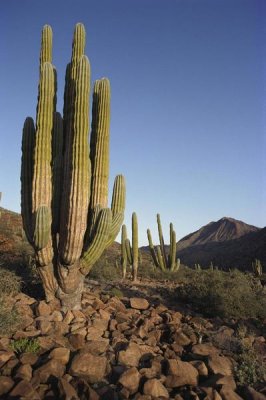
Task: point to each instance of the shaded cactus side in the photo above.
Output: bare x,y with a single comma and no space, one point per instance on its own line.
64,182
159,254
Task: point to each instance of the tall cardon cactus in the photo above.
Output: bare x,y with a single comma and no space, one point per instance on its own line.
160,258
64,180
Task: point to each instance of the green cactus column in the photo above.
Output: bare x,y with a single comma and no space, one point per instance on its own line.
132,252
159,255
135,247
124,251
64,178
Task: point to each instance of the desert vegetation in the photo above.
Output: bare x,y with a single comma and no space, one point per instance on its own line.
83,317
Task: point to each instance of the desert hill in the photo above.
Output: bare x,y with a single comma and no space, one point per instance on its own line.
227,243
219,231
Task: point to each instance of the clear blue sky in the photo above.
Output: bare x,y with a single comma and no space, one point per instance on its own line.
188,100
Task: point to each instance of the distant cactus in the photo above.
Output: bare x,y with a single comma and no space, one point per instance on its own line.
132,251
64,184
257,267
124,251
159,255
197,267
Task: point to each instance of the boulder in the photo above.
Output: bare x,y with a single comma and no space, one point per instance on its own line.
60,354
182,373
139,303
89,366
6,384
220,365
155,388
130,380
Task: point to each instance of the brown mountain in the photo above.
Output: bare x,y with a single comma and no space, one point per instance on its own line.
227,243
220,231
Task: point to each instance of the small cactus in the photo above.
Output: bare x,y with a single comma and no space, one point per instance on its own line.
132,252
257,267
159,255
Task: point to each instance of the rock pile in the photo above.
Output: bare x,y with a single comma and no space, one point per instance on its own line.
113,349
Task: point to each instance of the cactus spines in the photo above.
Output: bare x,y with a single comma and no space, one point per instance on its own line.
46,45
42,227
159,255
63,200
76,192
99,144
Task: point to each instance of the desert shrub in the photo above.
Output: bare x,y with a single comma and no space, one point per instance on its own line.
250,368
224,294
116,292
25,345
9,317
10,283
104,270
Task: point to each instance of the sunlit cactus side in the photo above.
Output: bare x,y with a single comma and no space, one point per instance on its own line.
132,250
257,267
159,254
64,180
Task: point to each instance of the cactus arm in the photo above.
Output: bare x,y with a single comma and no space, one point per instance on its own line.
172,255
97,244
160,258
28,144
129,251
76,194
161,238
152,249
42,174
117,207
99,144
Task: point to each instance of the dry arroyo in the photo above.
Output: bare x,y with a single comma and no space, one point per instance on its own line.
128,348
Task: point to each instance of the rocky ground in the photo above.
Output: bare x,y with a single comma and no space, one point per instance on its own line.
142,346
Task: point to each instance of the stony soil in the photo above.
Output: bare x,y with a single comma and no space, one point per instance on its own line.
142,346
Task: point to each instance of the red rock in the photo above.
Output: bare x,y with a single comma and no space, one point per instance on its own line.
24,372
43,309
67,392
6,383
87,365
155,388
131,356
97,347
204,349
77,341
130,380
220,365
51,368
228,394
182,373
139,303
60,354
24,390
200,366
